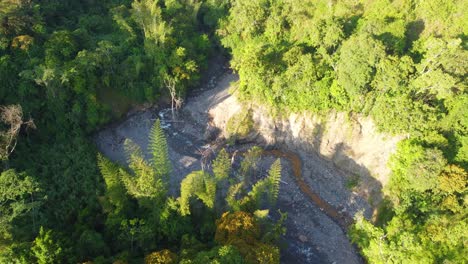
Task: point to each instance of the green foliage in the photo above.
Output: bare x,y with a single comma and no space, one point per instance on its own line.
92,243
115,190
249,163
197,184
223,254
427,195
172,225
352,182
17,193
213,11
268,187
159,151
144,183
240,125
159,217
222,166
233,202
349,56
46,250
359,57
75,66
401,62
415,167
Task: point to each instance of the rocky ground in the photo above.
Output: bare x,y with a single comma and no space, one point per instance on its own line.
312,236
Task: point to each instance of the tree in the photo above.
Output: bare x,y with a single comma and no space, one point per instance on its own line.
149,180
164,256
453,179
115,190
135,230
439,70
241,230
416,168
222,166
159,150
17,199
148,15
267,188
197,184
145,183
46,249
16,17
233,201
359,56
221,254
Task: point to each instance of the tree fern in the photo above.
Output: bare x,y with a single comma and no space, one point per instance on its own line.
249,163
267,187
258,192
159,151
115,191
231,197
274,177
197,184
222,165
135,158
145,183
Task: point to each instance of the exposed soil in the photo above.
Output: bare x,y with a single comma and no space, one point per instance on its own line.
319,207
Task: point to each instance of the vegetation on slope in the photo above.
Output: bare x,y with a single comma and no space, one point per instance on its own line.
403,63
68,67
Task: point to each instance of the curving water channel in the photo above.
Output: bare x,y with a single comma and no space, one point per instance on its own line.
341,218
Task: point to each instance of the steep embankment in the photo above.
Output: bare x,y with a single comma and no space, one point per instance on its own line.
351,142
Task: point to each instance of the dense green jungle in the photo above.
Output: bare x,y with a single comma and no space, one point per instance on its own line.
69,68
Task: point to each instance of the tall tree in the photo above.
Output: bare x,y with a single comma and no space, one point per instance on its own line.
17,199
46,249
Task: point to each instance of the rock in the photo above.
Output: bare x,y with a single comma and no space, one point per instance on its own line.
302,238
211,133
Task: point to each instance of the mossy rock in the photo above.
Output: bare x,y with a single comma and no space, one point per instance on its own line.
240,125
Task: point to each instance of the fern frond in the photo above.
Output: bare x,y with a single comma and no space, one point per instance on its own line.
197,184
134,154
231,197
274,177
250,163
222,166
144,184
258,191
159,151
267,187
109,171
115,190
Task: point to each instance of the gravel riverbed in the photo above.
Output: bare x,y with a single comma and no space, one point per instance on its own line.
312,237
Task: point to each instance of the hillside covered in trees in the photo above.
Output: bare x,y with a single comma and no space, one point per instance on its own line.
68,68
404,64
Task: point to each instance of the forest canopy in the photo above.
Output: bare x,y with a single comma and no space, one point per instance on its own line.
404,64
69,67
